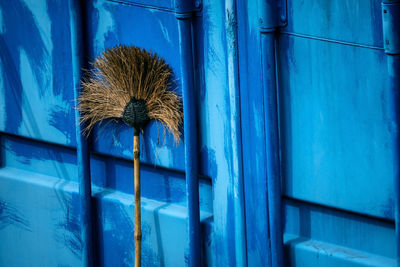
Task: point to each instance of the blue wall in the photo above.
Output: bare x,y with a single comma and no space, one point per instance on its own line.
336,145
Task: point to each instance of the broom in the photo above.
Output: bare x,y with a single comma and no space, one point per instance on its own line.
131,84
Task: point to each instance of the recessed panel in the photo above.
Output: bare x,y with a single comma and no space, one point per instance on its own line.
335,128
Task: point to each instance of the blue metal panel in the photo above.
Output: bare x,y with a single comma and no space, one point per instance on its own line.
337,135
235,189
253,136
219,133
337,92
334,123
165,188
190,136
35,65
39,220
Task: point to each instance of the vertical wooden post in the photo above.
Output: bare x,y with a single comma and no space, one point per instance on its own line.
138,228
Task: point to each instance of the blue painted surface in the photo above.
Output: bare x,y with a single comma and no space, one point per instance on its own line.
339,122
190,137
36,70
108,25
390,14
358,22
336,94
82,149
253,137
323,237
235,207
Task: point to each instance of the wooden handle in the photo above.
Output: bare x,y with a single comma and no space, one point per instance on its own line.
138,226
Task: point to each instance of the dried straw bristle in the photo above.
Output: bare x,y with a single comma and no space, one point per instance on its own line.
127,72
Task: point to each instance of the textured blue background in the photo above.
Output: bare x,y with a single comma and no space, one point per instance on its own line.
333,95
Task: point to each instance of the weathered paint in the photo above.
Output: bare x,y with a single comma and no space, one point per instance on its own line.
29,76
334,120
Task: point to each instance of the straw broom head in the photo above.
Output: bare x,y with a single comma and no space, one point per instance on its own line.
131,84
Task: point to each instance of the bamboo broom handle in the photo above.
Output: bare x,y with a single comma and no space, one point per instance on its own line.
138,227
